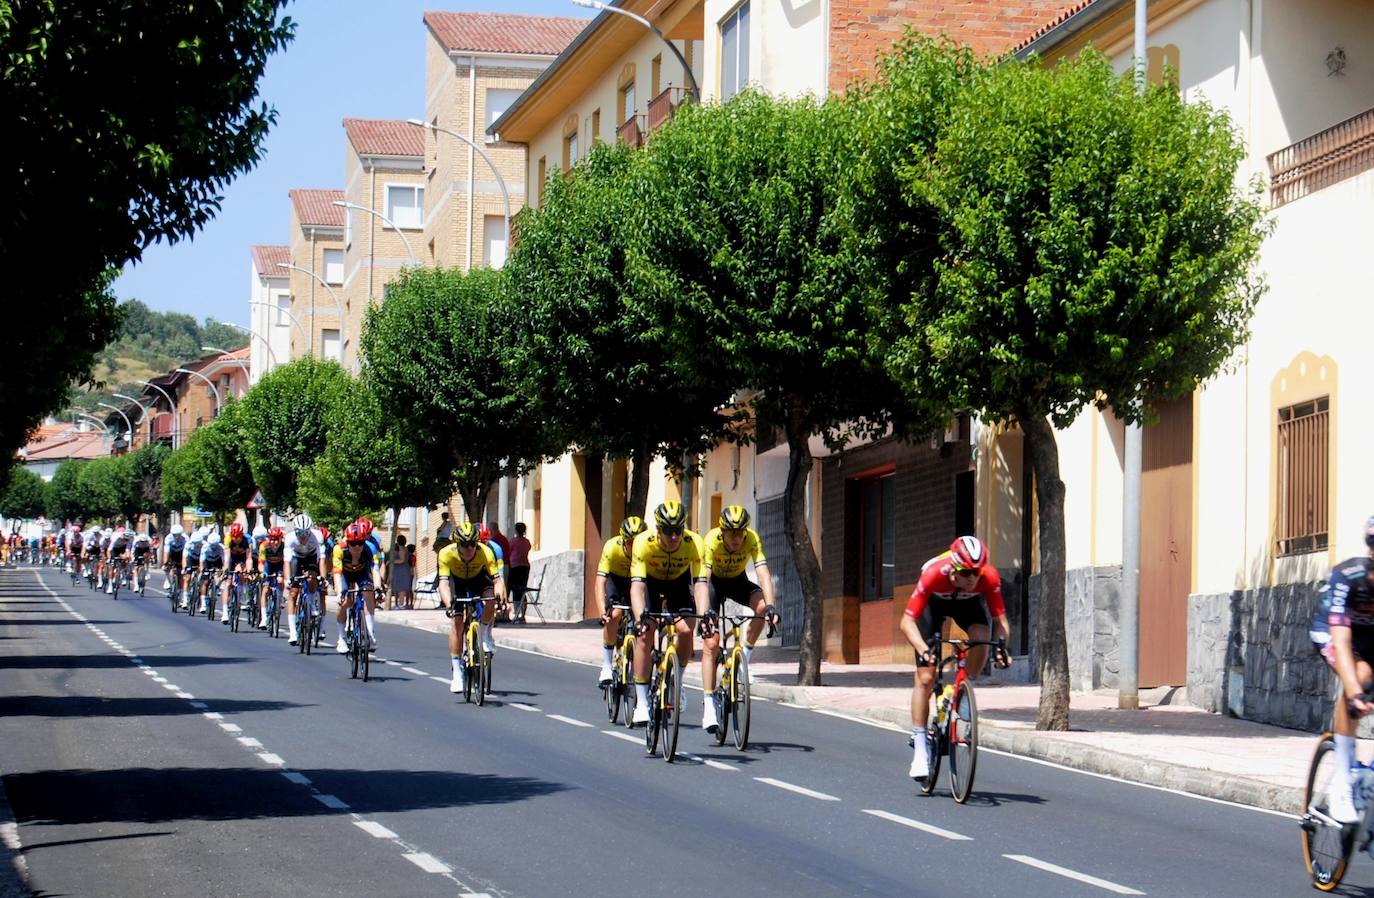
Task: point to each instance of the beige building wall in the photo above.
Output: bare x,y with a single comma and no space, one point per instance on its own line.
788,47
311,304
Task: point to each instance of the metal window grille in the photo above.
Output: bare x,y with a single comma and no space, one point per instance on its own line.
1304,432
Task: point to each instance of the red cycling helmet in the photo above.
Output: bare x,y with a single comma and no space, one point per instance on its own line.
967,554
366,525
275,534
236,530
353,534
484,533
324,533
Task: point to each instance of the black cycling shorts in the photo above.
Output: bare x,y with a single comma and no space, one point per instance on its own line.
617,591
966,613
470,586
738,588
1361,644
670,595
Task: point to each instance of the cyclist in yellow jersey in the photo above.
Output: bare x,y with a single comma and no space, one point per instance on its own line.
613,588
467,567
730,548
667,573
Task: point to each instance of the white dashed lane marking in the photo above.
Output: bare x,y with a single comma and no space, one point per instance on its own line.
376,830
427,862
1065,872
299,779
568,720
524,707
800,790
331,801
625,736
414,672
916,824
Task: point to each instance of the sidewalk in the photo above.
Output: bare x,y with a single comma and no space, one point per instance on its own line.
1174,746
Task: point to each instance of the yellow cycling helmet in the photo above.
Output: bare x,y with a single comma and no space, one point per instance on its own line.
670,515
465,534
632,527
734,517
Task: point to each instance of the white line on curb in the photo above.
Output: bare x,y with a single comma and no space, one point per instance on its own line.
231,728
249,742
800,790
268,758
427,862
923,827
1072,874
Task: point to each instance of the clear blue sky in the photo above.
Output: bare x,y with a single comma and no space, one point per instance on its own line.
314,86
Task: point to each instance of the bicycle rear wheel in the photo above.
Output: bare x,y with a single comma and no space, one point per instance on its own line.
933,740
234,610
651,729
741,710
308,637
366,662
469,664
1325,843
963,742
354,662
672,708
612,693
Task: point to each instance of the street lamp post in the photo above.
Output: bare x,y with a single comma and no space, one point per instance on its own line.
208,382
171,408
505,191
271,356
343,322
344,204
293,319
104,425
604,7
127,422
142,409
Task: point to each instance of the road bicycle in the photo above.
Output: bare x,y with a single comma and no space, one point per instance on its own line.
141,575
355,631
234,607
1327,844
733,707
665,684
193,592
620,692
119,573
474,662
307,610
75,569
273,605
213,580
172,584
954,731
92,572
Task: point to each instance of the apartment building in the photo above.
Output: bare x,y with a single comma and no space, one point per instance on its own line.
317,273
269,310
384,181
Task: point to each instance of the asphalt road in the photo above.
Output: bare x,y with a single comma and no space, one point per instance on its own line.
151,754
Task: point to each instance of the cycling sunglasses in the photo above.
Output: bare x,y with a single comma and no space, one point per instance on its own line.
671,531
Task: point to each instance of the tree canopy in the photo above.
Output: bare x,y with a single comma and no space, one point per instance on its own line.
24,494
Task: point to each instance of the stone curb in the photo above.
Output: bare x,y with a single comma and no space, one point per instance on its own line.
1032,744
14,870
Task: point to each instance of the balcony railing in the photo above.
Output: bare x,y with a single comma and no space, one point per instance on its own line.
662,107
632,131
1342,151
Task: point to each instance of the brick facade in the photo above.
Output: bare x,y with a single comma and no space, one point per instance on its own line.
861,30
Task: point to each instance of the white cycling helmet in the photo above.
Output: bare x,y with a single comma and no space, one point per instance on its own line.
108,531
213,539
302,521
260,532
178,530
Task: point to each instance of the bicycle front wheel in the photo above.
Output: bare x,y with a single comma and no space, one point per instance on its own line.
933,737
354,650
963,742
1325,844
366,662
652,728
741,711
486,674
672,708
613,693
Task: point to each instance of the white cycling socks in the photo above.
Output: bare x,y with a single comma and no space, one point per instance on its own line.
457,665
607,655
1345,757
372,625
642,694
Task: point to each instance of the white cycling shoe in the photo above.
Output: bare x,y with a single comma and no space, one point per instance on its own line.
641,715
920,758
457,684
709,723
1342,804
605,678
341,647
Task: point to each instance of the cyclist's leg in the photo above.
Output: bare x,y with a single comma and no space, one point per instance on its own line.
972,618
710,645
681,600
488,615
929,625
370,598
292,596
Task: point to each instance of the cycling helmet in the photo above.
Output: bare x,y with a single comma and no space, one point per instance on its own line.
275,534
260,531
353,534
302,522
967,554
366,525
213,539
236,530
632,527
734,517
108,531
670,515
484,533
178,530
465,534
1369,532
324,533
120,531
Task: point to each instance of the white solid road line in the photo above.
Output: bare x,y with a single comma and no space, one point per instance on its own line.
524,707
1072,874
376,830
800,790
427,862
923,827
626,736
568,720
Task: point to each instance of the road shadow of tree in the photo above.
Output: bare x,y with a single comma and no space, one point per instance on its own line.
164,795
98,706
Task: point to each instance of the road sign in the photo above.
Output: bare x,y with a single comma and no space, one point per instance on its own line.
256,501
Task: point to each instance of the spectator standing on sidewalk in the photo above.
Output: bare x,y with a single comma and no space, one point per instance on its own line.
519,562
444,535
495,534
402,568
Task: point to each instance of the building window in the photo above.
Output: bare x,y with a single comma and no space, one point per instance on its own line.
877,538
499,99
405,205
494,238
329,344
627,98
333,266
1304,471
655,75
596,125
283,311
539,181
569,151
734,52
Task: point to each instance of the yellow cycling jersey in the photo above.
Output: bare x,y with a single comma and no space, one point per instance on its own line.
651,562
615,560
451,564
724,563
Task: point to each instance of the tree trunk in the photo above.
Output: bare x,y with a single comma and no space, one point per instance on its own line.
475,497
639,480
799,539
1052,644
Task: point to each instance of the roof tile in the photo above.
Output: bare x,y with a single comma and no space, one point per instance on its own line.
315,207
384,137
1064,15
266,260
503,32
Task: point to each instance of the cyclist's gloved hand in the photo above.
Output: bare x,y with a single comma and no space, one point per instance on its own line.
774,619
1001,659
706,627
605,618
643,624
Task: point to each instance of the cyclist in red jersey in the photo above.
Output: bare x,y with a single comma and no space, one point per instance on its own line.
960,585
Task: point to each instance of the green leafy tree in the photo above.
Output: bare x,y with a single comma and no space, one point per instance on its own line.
437,356
753,259
147,475
210,469
1093,249
24,495
136,158
595,354
369,465
178,477
100,490
65,498
284,424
